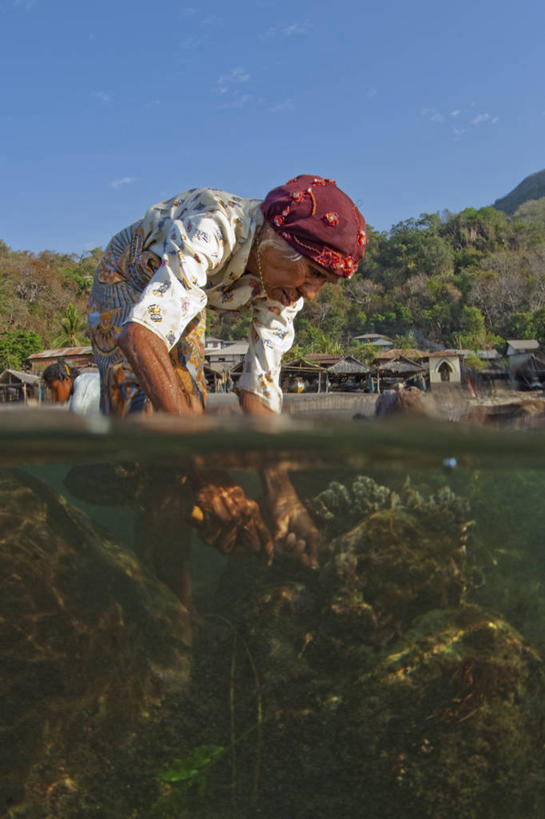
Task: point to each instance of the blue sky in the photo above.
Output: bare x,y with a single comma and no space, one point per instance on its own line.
112,105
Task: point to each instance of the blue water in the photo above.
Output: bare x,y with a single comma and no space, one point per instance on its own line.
163,656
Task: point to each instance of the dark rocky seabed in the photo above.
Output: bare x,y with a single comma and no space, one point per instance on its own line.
403,677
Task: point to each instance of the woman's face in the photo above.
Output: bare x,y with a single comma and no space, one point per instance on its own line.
61,390
287,281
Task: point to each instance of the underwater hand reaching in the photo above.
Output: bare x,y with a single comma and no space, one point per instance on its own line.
294,530
231,520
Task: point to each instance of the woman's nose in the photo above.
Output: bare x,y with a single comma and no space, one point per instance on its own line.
310,290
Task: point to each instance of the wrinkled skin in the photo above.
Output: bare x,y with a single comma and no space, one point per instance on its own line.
231,521
294,530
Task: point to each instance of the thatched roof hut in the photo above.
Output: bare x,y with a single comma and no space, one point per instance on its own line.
19,386
348,366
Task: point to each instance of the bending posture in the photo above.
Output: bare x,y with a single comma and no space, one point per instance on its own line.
210,248
59,377
207,248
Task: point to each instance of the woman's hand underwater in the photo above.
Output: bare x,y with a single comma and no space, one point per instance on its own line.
294,530
230,520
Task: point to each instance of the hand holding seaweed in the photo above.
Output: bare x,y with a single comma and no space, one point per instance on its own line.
231,520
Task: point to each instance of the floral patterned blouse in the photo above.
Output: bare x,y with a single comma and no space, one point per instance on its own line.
203,239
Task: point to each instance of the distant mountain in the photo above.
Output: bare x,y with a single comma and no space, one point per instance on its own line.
533,187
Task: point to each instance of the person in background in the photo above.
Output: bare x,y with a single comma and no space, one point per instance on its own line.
59,378
401,400
85,398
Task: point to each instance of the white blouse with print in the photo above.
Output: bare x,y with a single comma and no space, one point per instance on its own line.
203,238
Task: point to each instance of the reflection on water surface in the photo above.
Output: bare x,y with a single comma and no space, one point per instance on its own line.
312,620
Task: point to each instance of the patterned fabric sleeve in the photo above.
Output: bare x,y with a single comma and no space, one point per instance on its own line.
194,245
271,335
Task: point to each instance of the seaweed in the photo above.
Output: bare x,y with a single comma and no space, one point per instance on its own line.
186,777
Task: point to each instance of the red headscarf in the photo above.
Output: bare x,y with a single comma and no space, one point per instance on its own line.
320,221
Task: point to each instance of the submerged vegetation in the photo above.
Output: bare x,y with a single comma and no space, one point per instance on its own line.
405,674
383,681
186,778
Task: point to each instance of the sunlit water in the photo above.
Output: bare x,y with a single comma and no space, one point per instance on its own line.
145,672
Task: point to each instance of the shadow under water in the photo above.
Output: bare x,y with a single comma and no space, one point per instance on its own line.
299,619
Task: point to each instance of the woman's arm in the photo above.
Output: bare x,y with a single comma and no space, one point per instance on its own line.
251,404
149,358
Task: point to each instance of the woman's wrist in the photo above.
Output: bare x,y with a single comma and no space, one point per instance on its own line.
251,404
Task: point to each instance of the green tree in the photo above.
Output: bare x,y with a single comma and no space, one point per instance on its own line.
486,229
367,354
83,272
438,321
522,325
16,346
314,340
72,329
473,334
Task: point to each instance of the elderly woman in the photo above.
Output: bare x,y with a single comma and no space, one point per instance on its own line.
207,248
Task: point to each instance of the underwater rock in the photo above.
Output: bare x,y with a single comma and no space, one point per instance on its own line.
445,723
375,683
91,644
400,401
524,413
453,714
404,556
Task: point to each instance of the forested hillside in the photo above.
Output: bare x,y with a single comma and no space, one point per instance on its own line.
531,188
468,280
42,301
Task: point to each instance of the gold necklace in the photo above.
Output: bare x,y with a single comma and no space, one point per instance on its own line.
260,272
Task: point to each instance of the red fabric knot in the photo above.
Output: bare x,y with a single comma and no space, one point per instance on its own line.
331,181
331,218
344,266
298,196
362,238
318,180
278,220
331,258
350,266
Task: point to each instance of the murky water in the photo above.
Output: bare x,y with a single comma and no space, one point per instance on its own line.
161,656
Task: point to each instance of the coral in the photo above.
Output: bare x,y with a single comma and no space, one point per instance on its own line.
405,555
343,505
339,506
